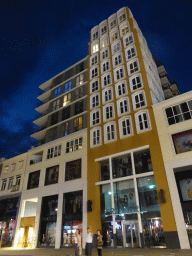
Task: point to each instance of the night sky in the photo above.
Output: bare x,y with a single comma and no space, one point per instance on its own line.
41,38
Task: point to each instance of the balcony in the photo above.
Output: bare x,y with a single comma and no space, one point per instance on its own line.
165,83
168,94
162,71
174,89
36,158
39,115
15,188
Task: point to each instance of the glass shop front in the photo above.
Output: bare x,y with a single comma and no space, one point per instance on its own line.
129,207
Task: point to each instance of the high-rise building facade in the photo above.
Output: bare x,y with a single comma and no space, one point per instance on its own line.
126,179
99,161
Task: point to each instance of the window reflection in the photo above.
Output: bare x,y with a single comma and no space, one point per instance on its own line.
105,200
104,170
143,162
121,166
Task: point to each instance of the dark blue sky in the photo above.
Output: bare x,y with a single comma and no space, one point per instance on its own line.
41,38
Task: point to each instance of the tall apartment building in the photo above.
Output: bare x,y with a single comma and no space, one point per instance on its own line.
99,161
126,179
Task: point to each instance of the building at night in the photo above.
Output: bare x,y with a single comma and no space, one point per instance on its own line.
99,161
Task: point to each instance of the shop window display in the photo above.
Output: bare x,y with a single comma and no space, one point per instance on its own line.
142,162
73,170
105,200
72,216
52,174
48,221
104,170
33,181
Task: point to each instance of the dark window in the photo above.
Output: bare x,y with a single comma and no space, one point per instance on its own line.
33,180
73,202
52,174
78,107
73,170
53,134
121,166
57,92
142,162
68,74
64,129
68,86
80,67
104,170
78,123
66,113
54,118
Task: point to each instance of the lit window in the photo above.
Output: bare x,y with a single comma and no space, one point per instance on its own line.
127,40
142,121
121,89
135,82
95,137
20,164
54,152
79,80
74,145
125,127
124,30
95,48
114,36
68,86
56,104
78,124
133,66
130,52
6,169
95,117
106,79
94,100
57,92
122,106
94,85
110,132
66,99
107,95
104,42
139,100
117,59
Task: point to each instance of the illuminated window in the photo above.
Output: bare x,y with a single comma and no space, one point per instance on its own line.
78,123
74,145
66,99
68,86
95,48
13,167
57,92
6,169
79,80
20,164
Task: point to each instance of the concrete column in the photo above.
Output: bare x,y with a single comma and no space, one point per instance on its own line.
59,221
37,222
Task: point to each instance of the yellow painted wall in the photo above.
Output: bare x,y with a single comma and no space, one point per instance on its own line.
137,140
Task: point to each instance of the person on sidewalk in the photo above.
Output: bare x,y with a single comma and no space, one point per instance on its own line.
99,243
89,240
78,247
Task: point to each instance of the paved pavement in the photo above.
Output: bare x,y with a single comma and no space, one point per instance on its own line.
106,252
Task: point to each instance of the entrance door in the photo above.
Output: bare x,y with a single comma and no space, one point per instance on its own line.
130,232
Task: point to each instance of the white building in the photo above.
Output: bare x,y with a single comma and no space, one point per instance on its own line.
174,124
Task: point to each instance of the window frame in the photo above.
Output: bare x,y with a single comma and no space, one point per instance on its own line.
79,80
129,49
114,35
104,68
134,102
10,183
103,94
3,184
95,73
131,83
113,46
128,36
91,100
129,69
103,79
106,134
92,63
56,104
68,86
6,169
80,124
104,39
91,85
66,99
95,47
104,30
121,135
103,52
105,119
113,23
92,145
115,73
57,92
125,18
53,152
119,107
122,26
117,90
116,56
72,146
13,167
91,117
141,112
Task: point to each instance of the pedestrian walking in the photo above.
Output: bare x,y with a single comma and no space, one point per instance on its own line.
99,242
78,246
89,240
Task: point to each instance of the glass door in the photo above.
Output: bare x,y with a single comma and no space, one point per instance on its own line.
130,232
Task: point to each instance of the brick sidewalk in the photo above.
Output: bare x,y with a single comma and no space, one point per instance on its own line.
106,252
